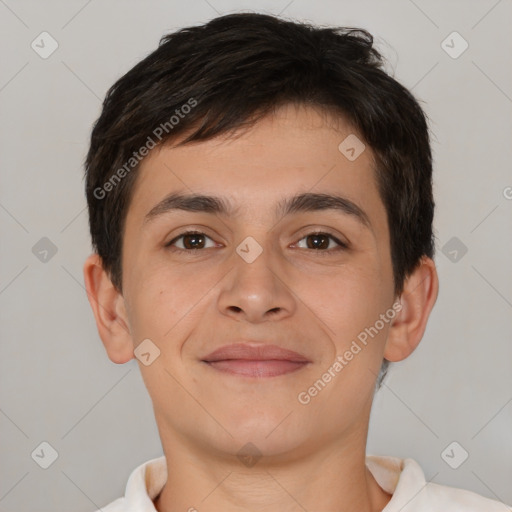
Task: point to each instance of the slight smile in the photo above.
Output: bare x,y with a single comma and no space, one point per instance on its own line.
255,360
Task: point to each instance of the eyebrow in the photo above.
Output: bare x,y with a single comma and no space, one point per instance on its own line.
306,202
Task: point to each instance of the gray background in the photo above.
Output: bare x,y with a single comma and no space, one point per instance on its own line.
58,386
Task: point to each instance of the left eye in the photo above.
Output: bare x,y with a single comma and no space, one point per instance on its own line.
316,241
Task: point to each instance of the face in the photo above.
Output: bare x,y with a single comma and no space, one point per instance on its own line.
307,277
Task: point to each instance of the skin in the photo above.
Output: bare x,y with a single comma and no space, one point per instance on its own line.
303,299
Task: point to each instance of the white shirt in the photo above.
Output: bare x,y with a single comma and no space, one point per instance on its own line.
403,478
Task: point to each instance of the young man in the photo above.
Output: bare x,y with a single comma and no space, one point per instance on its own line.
261,210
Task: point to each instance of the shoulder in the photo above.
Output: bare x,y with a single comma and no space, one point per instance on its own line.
405,480
144,484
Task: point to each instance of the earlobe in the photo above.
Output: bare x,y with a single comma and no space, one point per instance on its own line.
417,300
109,311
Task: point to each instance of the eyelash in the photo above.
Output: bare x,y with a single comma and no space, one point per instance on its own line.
323,252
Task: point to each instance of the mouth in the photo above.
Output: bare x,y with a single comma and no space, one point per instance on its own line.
255,360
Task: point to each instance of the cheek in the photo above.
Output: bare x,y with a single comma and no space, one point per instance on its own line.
353,303
353,298
166,301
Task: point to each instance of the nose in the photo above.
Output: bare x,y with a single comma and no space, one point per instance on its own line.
258,291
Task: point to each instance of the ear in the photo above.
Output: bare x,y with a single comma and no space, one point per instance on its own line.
417,300
109,310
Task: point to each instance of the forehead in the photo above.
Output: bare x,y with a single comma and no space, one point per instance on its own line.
298,149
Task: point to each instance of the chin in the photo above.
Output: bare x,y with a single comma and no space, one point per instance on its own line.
272,433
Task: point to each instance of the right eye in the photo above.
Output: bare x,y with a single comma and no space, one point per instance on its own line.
190,241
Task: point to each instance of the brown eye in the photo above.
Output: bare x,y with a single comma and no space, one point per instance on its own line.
189,241
321,242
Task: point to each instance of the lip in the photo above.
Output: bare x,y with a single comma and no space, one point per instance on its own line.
255,360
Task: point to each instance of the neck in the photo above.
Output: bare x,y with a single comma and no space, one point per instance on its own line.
332,478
